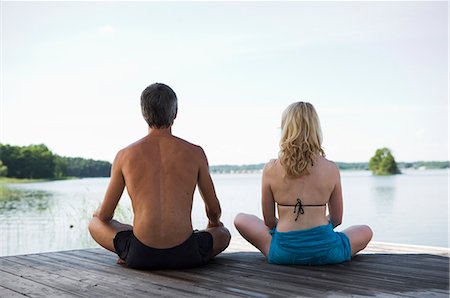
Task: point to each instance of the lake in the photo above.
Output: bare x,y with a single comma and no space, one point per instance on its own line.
411,208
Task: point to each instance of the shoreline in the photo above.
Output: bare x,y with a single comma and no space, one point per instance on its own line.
9,180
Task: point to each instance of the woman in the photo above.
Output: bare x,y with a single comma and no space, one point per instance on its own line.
302,183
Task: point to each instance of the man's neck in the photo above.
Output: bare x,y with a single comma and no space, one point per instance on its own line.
160,131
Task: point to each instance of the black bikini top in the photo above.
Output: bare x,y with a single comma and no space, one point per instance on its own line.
298,208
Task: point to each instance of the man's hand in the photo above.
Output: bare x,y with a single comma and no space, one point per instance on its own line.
214,225
101,217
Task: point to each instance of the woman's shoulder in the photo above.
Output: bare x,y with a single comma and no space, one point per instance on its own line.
328,164
271,163
270,166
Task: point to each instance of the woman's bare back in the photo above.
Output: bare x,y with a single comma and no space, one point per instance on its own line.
314,189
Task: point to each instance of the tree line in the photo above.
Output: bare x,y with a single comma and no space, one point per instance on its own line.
383,163
252,168
39,162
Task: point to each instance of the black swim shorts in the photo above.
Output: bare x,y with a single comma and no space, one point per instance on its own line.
193,252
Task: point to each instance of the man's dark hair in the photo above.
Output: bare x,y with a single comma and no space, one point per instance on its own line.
159,105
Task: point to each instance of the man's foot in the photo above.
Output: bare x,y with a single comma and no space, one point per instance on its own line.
120,262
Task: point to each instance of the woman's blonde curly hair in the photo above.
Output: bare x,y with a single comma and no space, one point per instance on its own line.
301,139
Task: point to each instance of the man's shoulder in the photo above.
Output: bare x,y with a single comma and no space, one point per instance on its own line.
189,146
185,142
131,147
130,150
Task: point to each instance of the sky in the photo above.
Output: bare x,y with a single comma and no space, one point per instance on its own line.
377,73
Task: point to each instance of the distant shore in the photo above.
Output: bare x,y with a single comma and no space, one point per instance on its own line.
343,166
257,168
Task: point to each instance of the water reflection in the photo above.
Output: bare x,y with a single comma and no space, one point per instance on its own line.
19,200
51,216
382,191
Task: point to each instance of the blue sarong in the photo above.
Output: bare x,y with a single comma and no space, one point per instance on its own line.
317,246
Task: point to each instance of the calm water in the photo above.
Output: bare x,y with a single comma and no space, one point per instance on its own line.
411,208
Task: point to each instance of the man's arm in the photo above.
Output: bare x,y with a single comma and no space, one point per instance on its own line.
115,189
208,193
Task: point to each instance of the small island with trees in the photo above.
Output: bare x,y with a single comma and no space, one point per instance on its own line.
383,163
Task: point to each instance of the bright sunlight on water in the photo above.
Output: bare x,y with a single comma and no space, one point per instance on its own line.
411,208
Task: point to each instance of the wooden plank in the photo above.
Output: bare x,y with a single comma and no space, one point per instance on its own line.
58,276
253,267
111,277
28,287
214,276
44,278
4,292
396,271
344,273
230,280
191,279
140,279
325,282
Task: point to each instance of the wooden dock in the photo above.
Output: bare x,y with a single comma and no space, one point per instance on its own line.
382,270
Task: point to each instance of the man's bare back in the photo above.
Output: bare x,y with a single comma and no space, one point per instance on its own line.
160,173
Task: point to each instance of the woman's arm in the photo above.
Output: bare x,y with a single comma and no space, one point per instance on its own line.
115,189
335,205
268,202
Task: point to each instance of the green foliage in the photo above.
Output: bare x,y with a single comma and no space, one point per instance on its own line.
80,167
34,161
3,169
60,167
38,162
383,163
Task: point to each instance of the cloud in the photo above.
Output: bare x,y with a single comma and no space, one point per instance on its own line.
106,30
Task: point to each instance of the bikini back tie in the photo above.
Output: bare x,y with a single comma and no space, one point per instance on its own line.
298,207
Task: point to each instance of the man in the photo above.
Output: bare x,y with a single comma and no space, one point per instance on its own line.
160,172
